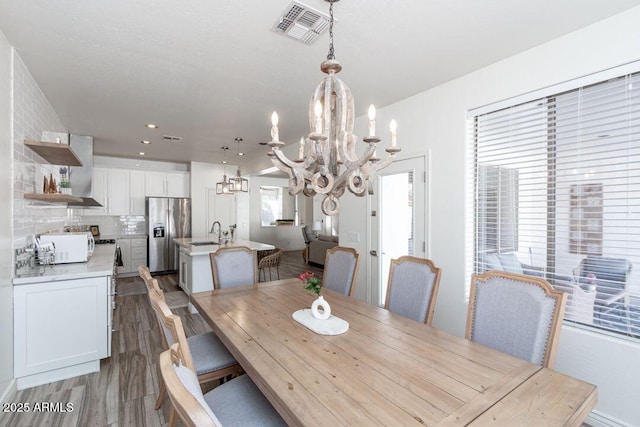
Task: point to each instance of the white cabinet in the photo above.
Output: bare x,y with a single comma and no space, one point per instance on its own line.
198,267
154,184
134,253
184,270
118,191
166,184
177,184
138,254
110,187
60,327
99,192
136,192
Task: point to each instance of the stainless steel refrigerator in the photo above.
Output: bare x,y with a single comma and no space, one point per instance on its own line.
167,218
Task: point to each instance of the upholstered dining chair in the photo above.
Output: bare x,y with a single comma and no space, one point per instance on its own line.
210,358
234,266
412,288
341,269
237,402
516,314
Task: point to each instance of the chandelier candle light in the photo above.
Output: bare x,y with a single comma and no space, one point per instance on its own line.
331,164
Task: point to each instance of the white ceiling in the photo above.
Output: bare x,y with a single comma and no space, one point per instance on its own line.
210,71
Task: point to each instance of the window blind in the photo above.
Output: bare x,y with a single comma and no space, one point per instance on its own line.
556,185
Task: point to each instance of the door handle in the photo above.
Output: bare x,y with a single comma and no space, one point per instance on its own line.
373,253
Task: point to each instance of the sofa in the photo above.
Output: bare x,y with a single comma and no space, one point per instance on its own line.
510,263
318,248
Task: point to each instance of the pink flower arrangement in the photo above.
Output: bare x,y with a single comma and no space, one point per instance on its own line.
311,282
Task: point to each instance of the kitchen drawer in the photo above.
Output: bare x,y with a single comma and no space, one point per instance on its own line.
138,243
135,262
138,252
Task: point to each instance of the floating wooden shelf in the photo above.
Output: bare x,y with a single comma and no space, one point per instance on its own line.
54,153
53,198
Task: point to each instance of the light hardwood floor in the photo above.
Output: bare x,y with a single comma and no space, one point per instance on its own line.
124,392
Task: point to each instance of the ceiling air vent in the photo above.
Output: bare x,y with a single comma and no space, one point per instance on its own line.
170,138
301,22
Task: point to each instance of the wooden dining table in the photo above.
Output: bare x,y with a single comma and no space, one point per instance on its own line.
385,370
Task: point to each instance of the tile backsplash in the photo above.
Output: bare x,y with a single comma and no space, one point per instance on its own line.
117,225
32,114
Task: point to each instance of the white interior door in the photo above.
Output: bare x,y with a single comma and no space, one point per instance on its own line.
400,221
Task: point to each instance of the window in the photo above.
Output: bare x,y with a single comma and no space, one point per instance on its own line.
557,194
497,208
271,204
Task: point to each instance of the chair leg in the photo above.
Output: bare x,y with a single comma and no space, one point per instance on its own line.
161,395
278,271
172,417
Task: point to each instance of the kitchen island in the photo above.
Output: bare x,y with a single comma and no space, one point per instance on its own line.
62,319
195,265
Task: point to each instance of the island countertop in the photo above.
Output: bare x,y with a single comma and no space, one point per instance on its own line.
100,264
187,245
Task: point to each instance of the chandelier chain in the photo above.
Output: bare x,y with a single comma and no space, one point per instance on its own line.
332,164
331,55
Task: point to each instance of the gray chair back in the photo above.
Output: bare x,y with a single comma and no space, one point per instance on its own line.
412,288
341,269
516,314
307,234
234,266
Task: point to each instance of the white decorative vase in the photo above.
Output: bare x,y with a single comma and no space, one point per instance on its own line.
323,314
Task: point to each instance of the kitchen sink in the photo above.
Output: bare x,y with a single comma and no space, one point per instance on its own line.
203,243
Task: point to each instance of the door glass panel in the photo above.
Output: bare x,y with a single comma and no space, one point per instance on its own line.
397,222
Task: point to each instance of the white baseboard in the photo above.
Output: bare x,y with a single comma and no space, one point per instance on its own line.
58,374
598,419
9,391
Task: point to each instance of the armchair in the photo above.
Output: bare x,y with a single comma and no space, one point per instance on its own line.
609,275
510,263
580,303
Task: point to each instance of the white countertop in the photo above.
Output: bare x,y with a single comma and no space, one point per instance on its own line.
100,264
187,245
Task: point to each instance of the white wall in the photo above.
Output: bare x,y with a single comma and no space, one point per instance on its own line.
204,176
257,232
435,120
30,115
6,258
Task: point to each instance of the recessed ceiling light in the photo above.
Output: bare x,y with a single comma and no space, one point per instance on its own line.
224,162
151,126
141,153
144,141
240,154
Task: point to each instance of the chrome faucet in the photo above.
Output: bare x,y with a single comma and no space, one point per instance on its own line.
213,229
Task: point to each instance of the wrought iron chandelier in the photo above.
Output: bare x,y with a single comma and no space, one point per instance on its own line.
331,164
240,184
226,186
